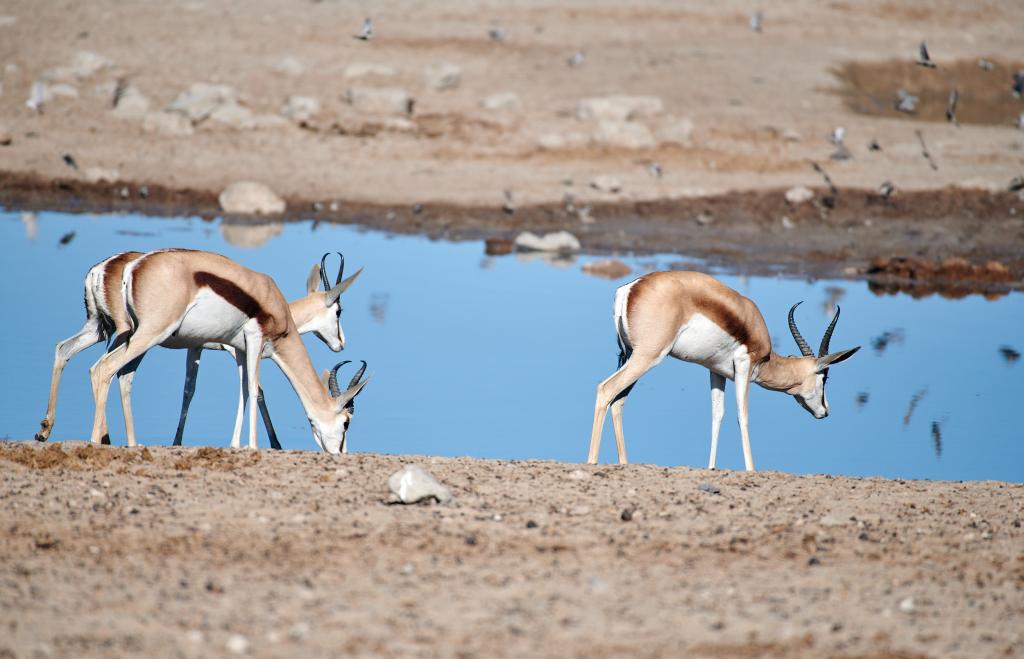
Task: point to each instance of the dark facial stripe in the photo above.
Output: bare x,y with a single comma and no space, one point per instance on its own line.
234,295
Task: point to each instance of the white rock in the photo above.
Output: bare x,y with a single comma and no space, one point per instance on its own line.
58,74
238,644
678,131
61,89
7,20
442,75
559,141
99,174
379,100
201,99
624,134
799,194
289,66
301,109
167,123
907,605
559,241
606,183
132,104
578,474
504,101
619,107
412,483
234,115
271,121
250,198
87,64
366,69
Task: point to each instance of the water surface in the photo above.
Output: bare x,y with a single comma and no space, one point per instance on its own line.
499,357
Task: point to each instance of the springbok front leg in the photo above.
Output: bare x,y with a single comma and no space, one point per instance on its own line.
86,337
192,358
607,393
717,412
125,378
243,399
742,378
265,413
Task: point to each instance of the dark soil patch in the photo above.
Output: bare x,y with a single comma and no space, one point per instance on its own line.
215,458
986,96
54,456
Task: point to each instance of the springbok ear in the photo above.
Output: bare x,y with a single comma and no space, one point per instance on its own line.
341,401
313,280
834,358
324,377
335,293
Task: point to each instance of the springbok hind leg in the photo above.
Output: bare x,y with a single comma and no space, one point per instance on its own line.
109,364
88,336
608,391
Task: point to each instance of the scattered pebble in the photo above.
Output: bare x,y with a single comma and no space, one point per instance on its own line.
101,175
238,644
380,100
605,183
578,474
443,75
618,107
624,135
289,66
171,124
799,194
6,137
505,101
367,69
709,488
412,484
250,198
907,605
201,99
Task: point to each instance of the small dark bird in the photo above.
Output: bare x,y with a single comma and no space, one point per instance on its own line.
954,96
66,238
1010,355
654,169
874,146
417,209
577,59
509,206
862,399
914,400
497,34
937,438
985,65
366,33
1018,84
69,160
756,21
119,89
905,101
887,189
1016,184
923,58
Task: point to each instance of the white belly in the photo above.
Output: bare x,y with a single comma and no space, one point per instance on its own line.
702,342
209,319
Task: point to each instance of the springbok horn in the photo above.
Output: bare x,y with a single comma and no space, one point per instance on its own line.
323,271
341,268
823,350
805,349
332,382
353,382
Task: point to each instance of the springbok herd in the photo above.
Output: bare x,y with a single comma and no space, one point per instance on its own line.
195,300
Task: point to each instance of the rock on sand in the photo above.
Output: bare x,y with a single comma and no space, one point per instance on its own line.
618,108
250,198
379,100
799,194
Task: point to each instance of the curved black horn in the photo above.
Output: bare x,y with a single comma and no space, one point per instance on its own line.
323,271
351,407
332,381
805,349
823,350
341,268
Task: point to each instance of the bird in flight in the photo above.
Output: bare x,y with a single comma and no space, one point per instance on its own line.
923,58
367,32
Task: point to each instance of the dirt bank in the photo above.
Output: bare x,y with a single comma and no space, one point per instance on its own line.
164,552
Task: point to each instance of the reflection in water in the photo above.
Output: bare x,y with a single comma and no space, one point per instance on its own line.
249,233
379,306
31,227
882,341
862,400
914,400
833,295
937,438
1010,356
557,259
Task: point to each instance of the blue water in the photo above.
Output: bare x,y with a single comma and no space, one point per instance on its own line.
499,358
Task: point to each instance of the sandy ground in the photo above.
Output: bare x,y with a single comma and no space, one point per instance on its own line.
191,552
743,115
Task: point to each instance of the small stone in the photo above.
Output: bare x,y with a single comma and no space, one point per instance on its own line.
618,107
790,135
299,631
709,488
412,484
250,198
607,269
87,64
530,524
605,183
443,75
813,560
578,474
201,99
506,101
560,141
678,131
799,194
787,223
6,137
704,219
559,241
167,123
61,89
7,20
289,66
238,644
379,100
301,109
579,511
833,520
101,175
470,539
907,605
624,135
626,515
366,69
131,104
233,115
194,636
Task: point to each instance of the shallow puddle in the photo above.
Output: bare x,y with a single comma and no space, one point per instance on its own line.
498,357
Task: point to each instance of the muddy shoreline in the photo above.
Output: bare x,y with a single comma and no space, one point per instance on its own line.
844,236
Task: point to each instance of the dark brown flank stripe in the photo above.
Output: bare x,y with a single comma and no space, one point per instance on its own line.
725,318
233,295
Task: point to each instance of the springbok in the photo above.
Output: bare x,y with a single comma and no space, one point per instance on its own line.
698,319
187,299
107,318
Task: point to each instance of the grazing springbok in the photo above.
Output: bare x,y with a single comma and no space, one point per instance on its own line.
698,319
187,299
106,318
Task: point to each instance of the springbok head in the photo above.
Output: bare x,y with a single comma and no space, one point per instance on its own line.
331,437
320,311
809,391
